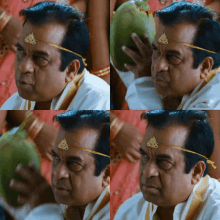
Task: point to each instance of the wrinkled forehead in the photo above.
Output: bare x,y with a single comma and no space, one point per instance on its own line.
49,32
174,135
81,138
184,32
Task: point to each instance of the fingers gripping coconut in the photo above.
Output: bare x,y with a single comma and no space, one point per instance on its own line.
130,17
142,59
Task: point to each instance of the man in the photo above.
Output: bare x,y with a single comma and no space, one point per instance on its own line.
173,170
49,66
80,172
184,71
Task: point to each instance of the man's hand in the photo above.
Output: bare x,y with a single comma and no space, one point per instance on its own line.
142,59
129,140
35,190
11,32
45,140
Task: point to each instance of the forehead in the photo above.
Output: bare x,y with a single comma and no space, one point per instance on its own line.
182,32
83,137
173,135
51,32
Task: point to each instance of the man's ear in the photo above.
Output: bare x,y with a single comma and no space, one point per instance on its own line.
198,171
106,177
206,67
72,70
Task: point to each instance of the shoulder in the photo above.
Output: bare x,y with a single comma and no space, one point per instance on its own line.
131,208
12,103
93,94
211,203
45,212
95,84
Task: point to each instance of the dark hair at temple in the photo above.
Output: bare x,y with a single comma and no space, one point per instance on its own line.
208,28
200,136
76,38
100,120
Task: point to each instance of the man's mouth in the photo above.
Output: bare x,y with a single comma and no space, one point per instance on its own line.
160,81
61,188
25,84
150,188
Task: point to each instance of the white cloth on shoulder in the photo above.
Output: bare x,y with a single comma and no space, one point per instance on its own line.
93,94
141,94
136,206
56,212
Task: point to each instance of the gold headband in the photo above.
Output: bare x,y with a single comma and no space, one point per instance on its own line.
30,39
153,144
163,39
64,146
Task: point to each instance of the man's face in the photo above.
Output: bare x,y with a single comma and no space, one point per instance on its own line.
162,175
74,169
37,67
172,64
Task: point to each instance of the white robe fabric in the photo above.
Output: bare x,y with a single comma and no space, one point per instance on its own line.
93,94
56,212
141,94
52,211
136,206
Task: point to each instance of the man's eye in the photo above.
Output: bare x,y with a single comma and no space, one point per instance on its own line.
156,54
165,164
20,53
174,59
41,61
75,166
55,157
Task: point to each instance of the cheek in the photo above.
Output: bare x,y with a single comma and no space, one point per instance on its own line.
185,81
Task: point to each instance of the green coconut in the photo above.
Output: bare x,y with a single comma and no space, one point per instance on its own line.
130,17
15,149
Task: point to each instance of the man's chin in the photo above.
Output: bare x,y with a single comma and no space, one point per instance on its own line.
162,91
25,94
152,198
62,199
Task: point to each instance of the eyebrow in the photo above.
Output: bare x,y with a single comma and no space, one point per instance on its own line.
73,158
175,52
165,156
41,53
36,52
141,150
154,46
19,46
160,156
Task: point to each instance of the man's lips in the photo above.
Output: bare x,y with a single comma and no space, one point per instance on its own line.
61,188
160,81
152,189
25,83
150,186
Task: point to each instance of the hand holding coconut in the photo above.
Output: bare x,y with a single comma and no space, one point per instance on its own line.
34,189
142,58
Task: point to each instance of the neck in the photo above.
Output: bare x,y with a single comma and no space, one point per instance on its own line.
42,105
165,213
77,212
171,103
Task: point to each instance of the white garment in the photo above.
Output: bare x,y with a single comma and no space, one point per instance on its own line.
141,94
136,206
55,212
93,94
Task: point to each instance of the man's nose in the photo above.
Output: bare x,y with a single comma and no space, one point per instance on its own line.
161,64
150,170
61,172
26,65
